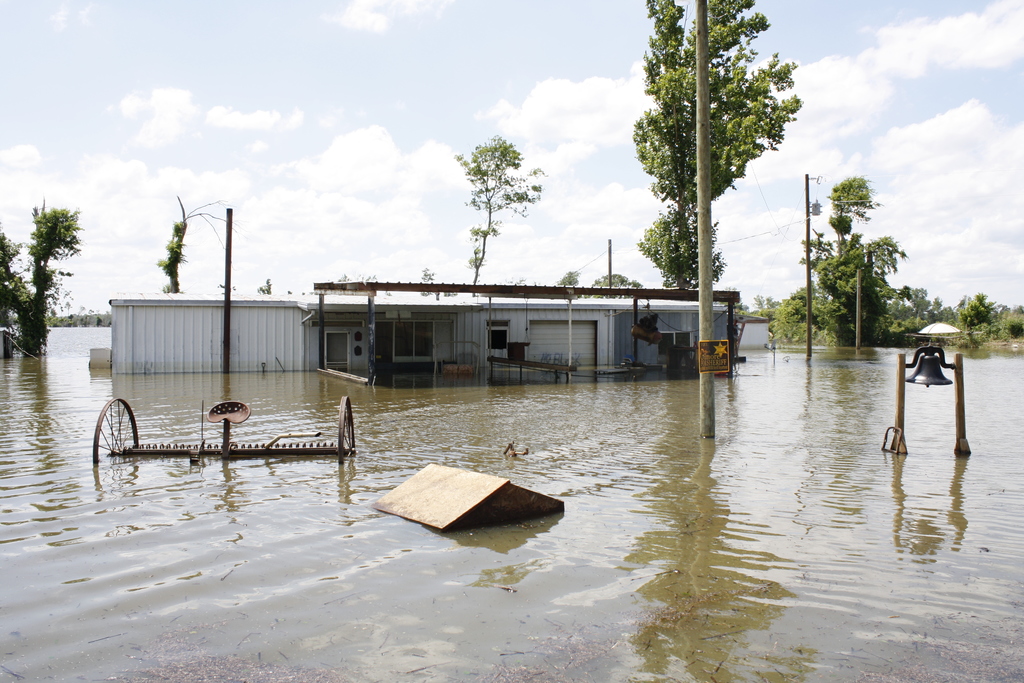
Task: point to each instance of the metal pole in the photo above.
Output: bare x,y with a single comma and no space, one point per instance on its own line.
636,319
322,335
707,379
807,256
226,363
568,375
730,327
371,337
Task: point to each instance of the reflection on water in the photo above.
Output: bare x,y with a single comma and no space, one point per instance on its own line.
790,548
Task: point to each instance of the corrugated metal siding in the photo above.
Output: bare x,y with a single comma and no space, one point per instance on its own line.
188,338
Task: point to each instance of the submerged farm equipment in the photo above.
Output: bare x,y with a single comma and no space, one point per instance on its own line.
117,435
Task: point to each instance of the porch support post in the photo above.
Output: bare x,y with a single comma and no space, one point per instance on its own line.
371,337
321,335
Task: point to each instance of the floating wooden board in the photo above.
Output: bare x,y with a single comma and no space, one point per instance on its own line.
448,498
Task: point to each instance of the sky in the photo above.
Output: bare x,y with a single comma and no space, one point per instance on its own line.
331,127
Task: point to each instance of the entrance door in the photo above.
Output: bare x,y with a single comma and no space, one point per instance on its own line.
549,342
337,351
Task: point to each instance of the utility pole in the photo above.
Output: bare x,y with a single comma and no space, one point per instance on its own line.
609,264
860,277
226,363
705,279
807,256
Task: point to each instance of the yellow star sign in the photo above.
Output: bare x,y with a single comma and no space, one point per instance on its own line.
722,349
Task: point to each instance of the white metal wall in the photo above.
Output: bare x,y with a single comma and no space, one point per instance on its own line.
151,338
550,342
472,326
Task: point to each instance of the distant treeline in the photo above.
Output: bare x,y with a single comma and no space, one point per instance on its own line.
80,319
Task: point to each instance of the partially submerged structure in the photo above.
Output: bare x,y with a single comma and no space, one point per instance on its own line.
365,328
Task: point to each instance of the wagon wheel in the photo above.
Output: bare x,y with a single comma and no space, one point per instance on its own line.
114,428
346,428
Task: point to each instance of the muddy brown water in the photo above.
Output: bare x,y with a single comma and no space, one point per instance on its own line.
789,548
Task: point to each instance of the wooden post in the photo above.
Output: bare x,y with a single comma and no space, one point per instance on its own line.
962,447
860,275
226,363
321,335
371,338
900,445
807,256
704,236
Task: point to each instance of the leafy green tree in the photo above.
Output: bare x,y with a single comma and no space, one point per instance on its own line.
618,281
851,199
788,318
836,265
976,312
265,288
497,187
28,298
913,306
747,118
570,279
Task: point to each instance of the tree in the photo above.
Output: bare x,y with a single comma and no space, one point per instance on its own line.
28,298
836,265
746,120
491,171
618,281
266,289
851,199
570,279
176,247
976,311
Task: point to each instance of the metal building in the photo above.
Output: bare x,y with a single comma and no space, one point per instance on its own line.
166,333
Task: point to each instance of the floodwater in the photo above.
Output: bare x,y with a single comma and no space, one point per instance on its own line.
788,548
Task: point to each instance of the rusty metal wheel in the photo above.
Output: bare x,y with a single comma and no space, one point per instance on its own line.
346,428
115,430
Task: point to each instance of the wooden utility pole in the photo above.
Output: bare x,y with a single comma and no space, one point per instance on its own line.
227,295
705,278
807,255
609,264
860,278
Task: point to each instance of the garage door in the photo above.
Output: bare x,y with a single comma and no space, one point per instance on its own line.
549,342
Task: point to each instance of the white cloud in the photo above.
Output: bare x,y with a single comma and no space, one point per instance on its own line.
59,19
368,160
85,15
226,117
597,110
257,147
170,111
376,16
20,156
955,202
991,39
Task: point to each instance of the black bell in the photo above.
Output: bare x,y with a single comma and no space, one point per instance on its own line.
928,363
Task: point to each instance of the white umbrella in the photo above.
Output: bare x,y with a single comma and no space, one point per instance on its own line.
938,328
